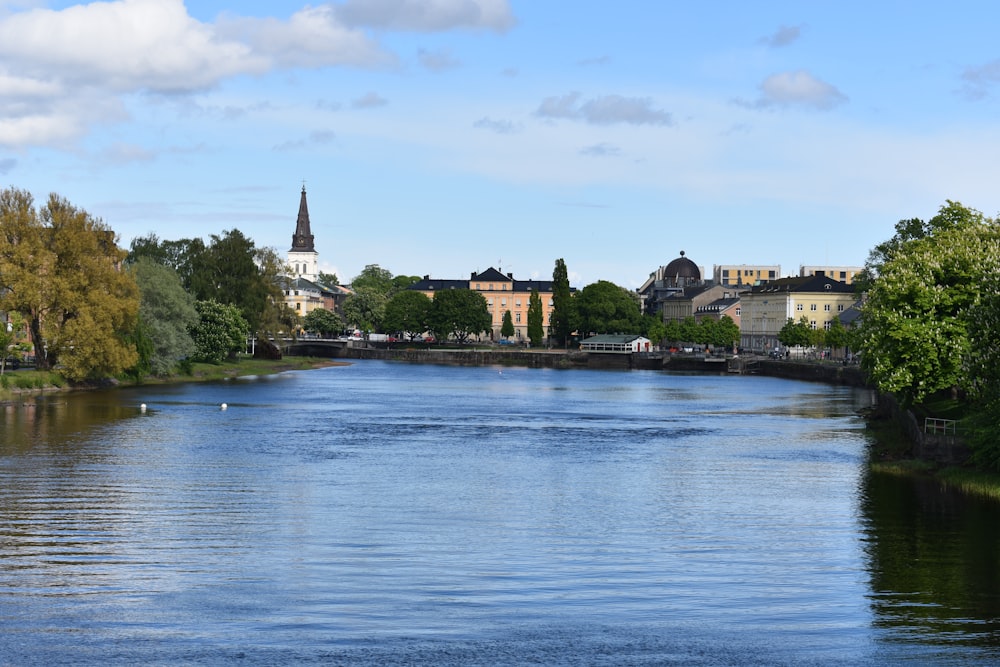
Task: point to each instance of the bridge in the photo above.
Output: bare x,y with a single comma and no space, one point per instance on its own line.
312,347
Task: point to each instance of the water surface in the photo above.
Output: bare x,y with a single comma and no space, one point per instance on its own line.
390,514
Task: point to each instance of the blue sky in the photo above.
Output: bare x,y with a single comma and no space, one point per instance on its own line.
443,137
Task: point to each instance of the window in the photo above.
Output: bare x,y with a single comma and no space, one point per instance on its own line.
737,312
827,324
798,306
491,287
479,286
812,324
826,307
517,318
840,307
812,306
771,274
503,302
490,302
517,303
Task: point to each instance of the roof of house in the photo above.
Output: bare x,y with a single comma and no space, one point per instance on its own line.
803,284
718,305
618,339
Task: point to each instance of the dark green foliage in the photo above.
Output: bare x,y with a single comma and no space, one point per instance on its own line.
507,328
407,311
220,333
323,322
459,313
536,332
563,320
606,308
167,313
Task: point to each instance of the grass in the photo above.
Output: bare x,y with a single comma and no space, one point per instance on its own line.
13,384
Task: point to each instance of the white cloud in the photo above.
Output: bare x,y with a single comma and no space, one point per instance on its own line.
798,88
604,110
498,126
427,15
369,100
601,150
783,36
127,45
312,37
437,61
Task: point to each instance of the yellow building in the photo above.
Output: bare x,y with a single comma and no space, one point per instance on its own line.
844,274
502,293
744,275
766,308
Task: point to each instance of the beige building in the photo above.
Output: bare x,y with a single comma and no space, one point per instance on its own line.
844,274
502,293
766,308
744,275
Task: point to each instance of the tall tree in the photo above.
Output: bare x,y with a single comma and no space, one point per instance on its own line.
221,331
167,313
914,330
507,326
605,307
460,313
365,309
407,311
536,330
322,321
61,269
563,320
373,277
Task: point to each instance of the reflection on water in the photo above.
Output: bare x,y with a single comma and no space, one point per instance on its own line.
934,562
390,514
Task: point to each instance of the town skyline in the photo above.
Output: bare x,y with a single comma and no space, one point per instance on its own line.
460,135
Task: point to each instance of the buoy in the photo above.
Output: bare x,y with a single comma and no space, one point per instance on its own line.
142,408
223,406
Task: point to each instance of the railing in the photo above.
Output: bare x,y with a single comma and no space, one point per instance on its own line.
934,426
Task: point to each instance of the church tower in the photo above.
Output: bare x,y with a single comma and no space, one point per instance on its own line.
303,260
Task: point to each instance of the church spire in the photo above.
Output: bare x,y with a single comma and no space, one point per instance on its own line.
302,240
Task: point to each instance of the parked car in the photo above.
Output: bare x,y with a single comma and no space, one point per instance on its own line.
505,341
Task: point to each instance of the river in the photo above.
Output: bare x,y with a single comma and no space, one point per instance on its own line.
385,513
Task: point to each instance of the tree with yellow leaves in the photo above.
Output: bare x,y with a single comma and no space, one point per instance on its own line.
61,269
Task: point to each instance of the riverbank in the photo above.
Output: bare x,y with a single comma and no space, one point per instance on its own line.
18,385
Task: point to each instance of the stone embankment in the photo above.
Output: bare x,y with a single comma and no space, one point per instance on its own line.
816,372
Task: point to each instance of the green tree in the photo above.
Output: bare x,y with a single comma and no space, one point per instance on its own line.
836,337
221,332
460,313
8,333
328,279
795,334
536,330
507,328
604,307
407,311
374,278
60,268
914,329
689,329
167,314
322,321
654,329
365,309
563,320
727,332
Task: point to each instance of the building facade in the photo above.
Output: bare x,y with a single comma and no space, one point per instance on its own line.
844,274
502,293
766,308
744,275
668,281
